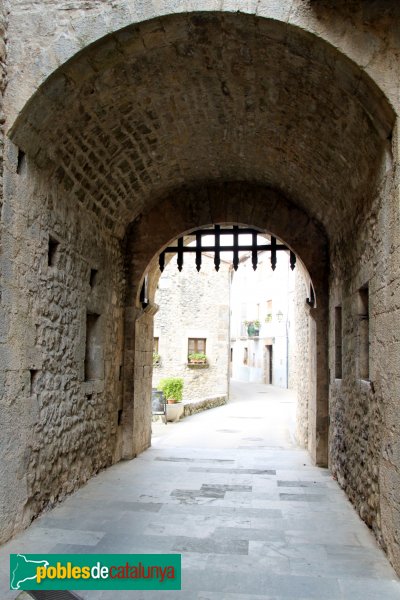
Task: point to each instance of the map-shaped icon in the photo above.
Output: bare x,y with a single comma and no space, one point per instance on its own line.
24,570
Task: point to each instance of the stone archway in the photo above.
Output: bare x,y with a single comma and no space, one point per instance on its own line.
185,210
165,116
272,108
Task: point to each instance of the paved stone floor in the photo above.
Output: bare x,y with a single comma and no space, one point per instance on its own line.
230,491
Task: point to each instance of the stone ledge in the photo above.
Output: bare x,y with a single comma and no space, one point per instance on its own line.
194,407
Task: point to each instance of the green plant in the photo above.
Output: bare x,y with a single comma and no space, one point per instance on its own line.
268,318
197,356
156,358
253,327
253,324
172,388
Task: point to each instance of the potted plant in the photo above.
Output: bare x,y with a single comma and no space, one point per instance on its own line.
197,358
172,388
253,327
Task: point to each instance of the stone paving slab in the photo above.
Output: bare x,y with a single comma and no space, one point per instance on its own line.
211,545
234,471
304,498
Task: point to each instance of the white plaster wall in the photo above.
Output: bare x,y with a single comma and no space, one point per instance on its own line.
250,292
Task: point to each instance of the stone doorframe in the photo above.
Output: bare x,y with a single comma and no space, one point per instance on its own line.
180,212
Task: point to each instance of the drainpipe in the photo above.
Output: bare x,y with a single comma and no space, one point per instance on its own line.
287,328
229,332
287,354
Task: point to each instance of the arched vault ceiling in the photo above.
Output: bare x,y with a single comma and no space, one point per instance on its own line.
209,97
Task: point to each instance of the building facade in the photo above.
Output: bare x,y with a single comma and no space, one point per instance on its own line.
262,321
193,318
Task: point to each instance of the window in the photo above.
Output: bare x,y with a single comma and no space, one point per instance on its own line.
155,345
338,342
197,346
33,377
268,363
93,277
93,348
363,332
52,252
20,161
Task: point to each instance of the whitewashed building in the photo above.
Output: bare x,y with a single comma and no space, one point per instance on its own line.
262,321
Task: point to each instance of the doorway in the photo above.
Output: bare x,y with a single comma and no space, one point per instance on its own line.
268,364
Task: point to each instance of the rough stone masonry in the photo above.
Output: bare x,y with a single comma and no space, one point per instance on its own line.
126,124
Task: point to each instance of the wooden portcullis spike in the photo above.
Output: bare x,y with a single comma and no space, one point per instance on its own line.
254,247
180,254
292,260
198,251
217,255
254,252
235,247
161,261
273,253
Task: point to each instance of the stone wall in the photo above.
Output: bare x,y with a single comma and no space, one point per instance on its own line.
141,401
3,84
194,305
195,407
299,359
62,425
365,422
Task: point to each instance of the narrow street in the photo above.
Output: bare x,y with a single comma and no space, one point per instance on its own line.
231,492
257,416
